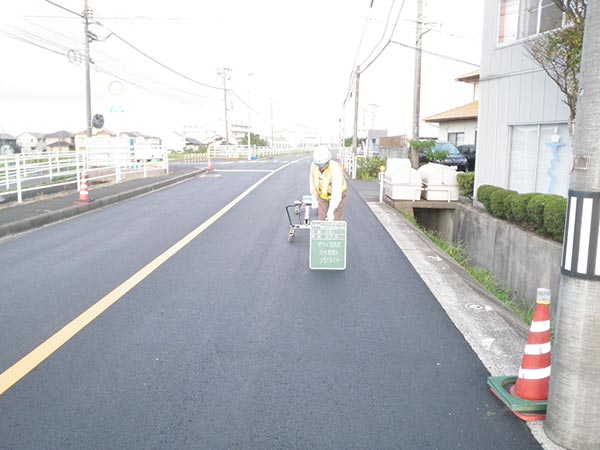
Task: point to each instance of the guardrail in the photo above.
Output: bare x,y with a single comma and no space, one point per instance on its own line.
25,173
243,153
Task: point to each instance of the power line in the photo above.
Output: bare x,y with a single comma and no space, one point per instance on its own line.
112,33
436,54
66,9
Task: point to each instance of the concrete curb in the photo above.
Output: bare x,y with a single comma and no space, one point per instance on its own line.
71,211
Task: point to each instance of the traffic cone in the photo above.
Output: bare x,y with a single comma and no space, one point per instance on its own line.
526,394
84,195
534,374
210,166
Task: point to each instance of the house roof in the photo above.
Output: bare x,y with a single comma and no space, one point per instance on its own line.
6,137
59,134
193,141
468,111
35,135
471,77
96,132
60,144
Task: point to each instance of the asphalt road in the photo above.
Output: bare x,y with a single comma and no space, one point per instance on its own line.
234,342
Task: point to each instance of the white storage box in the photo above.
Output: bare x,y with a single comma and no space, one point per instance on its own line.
401,181
439,182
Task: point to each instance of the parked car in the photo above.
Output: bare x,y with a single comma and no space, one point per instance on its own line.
454,159
469,151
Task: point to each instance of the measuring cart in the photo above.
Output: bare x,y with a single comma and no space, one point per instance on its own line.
302,211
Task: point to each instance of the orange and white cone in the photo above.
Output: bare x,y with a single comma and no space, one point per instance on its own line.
534,374
210,166
84,195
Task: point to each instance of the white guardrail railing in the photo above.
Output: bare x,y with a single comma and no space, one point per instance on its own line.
243,152
23,173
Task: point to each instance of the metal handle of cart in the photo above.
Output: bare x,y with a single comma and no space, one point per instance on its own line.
302,211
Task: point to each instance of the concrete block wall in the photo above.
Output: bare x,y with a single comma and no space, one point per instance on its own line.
520,259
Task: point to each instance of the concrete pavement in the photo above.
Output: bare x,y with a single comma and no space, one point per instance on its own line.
494,333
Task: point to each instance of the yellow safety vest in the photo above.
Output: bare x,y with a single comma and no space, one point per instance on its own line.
322,180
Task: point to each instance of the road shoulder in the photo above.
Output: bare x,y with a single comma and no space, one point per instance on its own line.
493,332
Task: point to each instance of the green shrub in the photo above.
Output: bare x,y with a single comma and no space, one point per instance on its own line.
554,217
466,180
369,168
506,205
518,207
535,213
484,192
497,206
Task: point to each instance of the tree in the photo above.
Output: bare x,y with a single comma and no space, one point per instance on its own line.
418,146
558,52
255,140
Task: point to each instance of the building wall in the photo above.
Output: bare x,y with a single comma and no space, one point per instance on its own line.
469,127
513,91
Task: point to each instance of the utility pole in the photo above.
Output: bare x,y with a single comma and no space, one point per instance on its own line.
225,73
355,126
572,416
249,134
373,107
417,83
272,141
87,13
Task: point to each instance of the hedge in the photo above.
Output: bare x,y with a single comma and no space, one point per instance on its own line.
554,217
498,203
541,213
518,207
484,192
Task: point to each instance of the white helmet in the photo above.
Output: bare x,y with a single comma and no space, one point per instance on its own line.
321,156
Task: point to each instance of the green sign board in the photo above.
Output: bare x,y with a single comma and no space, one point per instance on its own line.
327,245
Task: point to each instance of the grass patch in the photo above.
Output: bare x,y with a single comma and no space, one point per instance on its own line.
483,276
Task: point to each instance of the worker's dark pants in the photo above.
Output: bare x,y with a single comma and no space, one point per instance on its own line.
337,213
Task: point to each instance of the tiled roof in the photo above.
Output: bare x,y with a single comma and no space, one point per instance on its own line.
468,111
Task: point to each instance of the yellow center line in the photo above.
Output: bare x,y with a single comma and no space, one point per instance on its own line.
21,368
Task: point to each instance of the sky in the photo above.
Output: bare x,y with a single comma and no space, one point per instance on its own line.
155,65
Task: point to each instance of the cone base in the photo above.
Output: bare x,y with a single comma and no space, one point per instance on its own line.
500,386
78,202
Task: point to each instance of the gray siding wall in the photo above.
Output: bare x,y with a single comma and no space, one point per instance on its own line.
513,91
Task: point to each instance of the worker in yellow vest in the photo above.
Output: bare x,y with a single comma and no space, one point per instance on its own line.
327,185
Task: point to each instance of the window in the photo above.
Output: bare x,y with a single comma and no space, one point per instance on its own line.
540,158
519,19
456,138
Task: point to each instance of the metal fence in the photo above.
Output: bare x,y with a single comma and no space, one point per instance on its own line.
23,174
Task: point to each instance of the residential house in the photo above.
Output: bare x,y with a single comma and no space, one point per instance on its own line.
31,142
142,146
523,140
8,144
373,141
59,141
459,125
97,133
193,145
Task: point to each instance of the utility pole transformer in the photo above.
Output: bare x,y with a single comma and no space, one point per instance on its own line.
574,396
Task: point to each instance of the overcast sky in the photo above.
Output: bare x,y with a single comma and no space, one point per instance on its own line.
301,55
